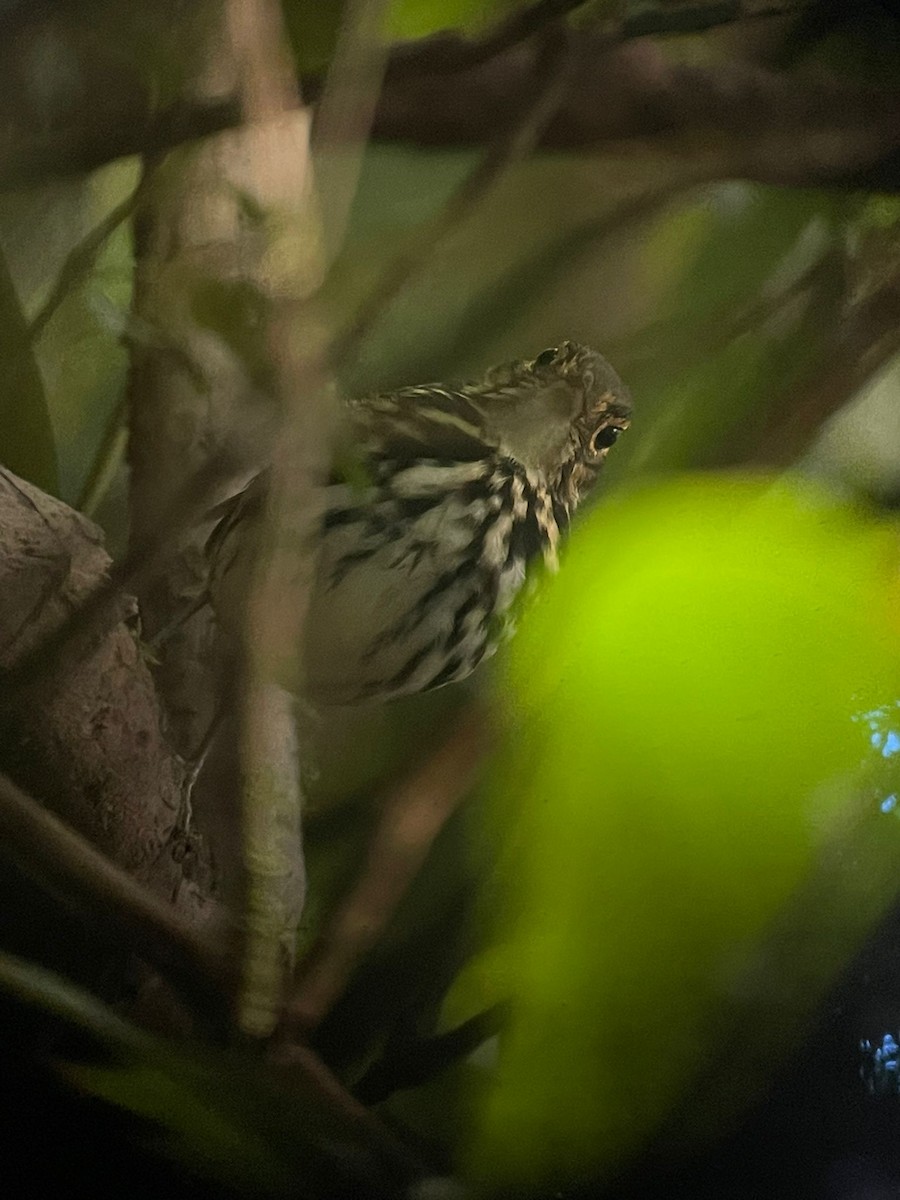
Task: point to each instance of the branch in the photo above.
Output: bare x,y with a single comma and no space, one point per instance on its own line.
100,137
742,121
299,1067
97,610
409,823
283,573
87,739
422,1059
66,864
734,120
868,339
445,53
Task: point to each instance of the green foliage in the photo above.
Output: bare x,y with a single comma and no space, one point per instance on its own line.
186,1109
750,286
689,707
26,435
419,18
198,1116
224,1114
72,272
313,25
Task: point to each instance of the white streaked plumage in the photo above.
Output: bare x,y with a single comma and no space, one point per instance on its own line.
419,563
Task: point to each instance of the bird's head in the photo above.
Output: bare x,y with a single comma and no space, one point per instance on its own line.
557,414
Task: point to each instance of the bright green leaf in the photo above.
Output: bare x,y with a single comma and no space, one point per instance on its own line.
687,773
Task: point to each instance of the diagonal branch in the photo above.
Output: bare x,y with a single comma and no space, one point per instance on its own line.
408,825
80,262
788,129
444,53
64,863
515,143
734,120
868,339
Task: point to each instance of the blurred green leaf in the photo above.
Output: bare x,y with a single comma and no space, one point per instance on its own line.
419,18
71,266
688,707
26,434
153,1079
235,311
751,289
200,1130
736,245
313,27
225,1114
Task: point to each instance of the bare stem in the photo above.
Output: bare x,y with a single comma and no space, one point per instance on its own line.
80,262
410,821
515,144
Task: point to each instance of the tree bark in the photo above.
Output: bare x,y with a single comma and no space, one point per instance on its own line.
86,739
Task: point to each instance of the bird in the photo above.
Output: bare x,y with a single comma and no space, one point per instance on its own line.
428,528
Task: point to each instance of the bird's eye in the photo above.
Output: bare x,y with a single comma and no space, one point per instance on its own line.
604,438
546,357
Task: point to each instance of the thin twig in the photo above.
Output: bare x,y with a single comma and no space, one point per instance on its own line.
869,339
344,113
63,862
422,1059
81,260
300,1068
107,461
412,818
75,270
516,143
